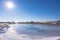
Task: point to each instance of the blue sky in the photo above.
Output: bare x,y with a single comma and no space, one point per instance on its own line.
28,10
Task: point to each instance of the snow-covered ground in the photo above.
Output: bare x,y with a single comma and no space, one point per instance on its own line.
12,35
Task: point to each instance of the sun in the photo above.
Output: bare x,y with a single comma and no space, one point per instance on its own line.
9,5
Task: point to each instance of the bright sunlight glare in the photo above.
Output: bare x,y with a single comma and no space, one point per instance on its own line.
10,5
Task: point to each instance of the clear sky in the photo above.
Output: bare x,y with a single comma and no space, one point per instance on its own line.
28,10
